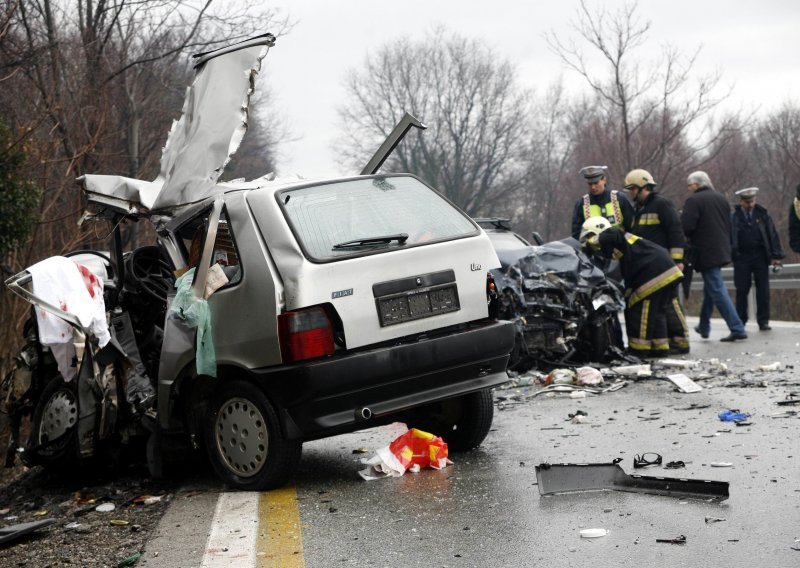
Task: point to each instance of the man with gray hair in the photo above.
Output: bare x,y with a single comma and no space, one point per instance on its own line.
706,221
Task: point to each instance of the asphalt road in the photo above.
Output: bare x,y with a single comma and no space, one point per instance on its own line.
486,510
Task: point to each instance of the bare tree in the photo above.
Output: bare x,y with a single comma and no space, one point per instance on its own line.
91,86
654,112
551,171
468,97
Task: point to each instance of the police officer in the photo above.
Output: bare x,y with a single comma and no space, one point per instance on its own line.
657,220
601,202
649,275
755,245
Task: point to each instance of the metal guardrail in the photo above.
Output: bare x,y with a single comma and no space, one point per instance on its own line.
788,278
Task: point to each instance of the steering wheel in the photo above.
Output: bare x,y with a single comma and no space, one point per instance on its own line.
151,273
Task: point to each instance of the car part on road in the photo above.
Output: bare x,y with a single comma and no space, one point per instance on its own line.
684,383
680,539
13,532
572,478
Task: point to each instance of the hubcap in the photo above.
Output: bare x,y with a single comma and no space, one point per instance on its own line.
241,435
60,414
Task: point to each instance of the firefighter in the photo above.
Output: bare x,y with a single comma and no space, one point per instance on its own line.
650,275
657,220
601,202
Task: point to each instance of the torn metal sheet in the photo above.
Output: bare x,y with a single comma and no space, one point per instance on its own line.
202,142
572,478
13,532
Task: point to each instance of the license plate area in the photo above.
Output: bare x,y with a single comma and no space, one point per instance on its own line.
417,304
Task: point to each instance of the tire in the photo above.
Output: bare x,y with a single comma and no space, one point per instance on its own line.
53,441
244,441
463,422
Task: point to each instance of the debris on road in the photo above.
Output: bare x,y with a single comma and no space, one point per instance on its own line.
560,377
732,416
646,459
684,383
632,370
680,539
714,520
412,450
577,477
776,366
14,532
588,376
578,417
593,533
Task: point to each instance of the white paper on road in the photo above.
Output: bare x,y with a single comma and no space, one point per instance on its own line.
684,383
232,540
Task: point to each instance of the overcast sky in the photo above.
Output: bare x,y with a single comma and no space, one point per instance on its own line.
755,45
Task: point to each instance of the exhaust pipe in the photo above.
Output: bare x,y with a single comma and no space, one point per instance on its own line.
363,413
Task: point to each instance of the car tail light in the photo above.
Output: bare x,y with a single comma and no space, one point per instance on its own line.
305,334
492,297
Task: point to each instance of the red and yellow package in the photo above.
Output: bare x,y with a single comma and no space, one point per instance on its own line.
420,448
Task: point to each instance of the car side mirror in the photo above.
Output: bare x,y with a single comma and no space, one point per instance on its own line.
537,238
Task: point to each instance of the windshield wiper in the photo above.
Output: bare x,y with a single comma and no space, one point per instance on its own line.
399,237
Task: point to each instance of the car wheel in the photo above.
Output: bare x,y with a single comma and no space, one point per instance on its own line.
463,422
53,439
244,441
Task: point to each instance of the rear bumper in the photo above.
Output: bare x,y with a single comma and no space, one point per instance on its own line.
326,397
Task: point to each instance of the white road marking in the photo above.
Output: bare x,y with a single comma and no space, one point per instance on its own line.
234,529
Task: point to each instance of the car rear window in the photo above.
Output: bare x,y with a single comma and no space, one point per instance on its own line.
367,208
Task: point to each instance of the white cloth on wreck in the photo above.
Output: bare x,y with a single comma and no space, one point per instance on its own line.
73,288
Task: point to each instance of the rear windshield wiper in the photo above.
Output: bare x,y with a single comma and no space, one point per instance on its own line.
399,237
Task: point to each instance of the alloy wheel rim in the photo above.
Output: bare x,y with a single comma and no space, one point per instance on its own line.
60,414
241,436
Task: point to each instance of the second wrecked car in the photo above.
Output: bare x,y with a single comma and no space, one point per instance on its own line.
564,308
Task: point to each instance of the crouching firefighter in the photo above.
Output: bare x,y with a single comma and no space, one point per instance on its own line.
650,278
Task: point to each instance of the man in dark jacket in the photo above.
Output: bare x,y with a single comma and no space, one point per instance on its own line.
794,222
706,220
649,275
755,245
657,220
601,202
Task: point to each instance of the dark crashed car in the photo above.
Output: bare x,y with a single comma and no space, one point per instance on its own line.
564,307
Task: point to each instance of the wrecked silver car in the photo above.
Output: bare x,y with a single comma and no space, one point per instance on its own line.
268,313
564,308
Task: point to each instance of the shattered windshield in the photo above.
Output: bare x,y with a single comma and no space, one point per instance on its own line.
370,214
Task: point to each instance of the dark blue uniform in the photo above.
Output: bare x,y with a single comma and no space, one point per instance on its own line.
755,244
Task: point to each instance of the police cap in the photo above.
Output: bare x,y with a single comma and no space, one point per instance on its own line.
747,193
594,173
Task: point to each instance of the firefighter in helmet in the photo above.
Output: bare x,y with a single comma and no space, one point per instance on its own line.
649,274
657,220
